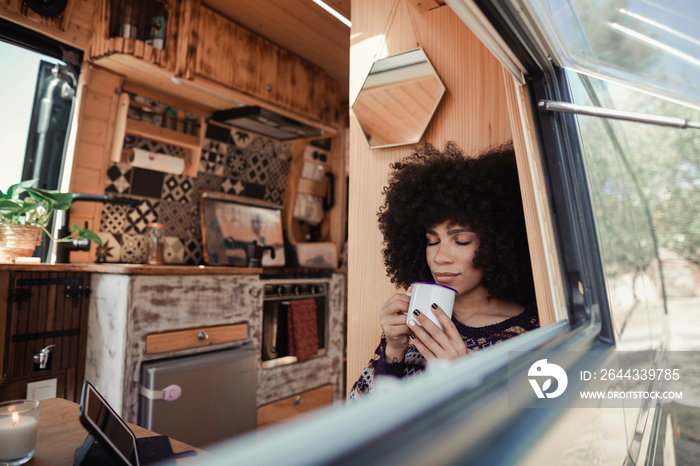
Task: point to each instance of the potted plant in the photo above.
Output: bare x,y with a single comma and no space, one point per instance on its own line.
25,211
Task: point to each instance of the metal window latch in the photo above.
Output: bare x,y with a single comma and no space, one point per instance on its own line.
42,357
659,120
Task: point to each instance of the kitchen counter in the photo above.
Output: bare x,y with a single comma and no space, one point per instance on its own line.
126,309
133,269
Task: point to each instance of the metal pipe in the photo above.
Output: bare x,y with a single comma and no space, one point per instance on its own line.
63,248
660,120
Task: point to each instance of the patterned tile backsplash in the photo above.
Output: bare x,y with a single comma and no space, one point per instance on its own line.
233,161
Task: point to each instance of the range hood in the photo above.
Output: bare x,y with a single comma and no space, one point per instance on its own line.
267,123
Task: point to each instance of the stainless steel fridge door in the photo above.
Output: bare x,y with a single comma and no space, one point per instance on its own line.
200,399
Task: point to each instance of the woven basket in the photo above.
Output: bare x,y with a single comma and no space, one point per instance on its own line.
18,241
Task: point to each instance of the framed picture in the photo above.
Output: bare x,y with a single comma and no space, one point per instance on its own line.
230,225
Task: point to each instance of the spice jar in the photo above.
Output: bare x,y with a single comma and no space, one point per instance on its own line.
180,121
154,247
169,116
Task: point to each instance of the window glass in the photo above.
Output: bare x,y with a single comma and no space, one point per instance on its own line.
644,182
654,45
34,115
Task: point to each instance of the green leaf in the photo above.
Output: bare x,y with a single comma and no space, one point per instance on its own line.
20,187
8,206
42,195
86,233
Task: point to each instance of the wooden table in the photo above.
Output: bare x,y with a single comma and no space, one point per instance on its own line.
60,434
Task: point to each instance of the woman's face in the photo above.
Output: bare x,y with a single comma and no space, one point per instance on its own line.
450,252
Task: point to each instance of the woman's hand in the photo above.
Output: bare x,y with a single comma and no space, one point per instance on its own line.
393,322
432,342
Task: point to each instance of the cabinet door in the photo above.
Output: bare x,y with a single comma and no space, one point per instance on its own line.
234,56
294,405
44,309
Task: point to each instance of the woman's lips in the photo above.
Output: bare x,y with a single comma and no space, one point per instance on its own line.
445,277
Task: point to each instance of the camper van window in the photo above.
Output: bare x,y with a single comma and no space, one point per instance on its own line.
644,183
647,44
37,94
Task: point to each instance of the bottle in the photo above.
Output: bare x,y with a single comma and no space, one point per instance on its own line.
158,115
154,247
147,115
169,116
191,124
180,121
127,26
157,26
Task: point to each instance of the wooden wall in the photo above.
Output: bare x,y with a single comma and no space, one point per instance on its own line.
473,113
98,98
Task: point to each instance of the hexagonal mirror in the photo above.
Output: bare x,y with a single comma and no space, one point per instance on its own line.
398,99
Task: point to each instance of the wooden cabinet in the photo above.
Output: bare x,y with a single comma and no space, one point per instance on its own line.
233,56
294,405
210,62
38,310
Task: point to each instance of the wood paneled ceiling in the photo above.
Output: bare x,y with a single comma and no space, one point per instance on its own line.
300,26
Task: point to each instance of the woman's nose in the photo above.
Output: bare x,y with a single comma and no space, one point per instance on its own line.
443,254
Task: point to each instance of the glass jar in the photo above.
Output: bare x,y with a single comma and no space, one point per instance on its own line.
154,247
147,115
169,116
180,121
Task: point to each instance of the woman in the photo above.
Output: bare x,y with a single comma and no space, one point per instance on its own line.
456,221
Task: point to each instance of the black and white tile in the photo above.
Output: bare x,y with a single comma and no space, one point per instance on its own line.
257,170
212,159
118,179
133,248
111,248
178,188
274,194
138,218
233,186
180,220
235,162
232,161
241,138
113,218
192,251
207,182
173,251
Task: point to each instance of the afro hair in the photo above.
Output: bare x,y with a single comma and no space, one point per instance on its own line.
480,192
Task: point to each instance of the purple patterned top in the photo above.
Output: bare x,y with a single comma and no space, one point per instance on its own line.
476,338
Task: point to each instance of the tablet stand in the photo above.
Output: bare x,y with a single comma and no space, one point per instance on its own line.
150,450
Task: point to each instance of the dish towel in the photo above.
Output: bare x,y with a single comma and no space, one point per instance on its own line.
303,329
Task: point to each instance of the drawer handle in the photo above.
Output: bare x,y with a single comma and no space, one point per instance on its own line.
298,400
201,336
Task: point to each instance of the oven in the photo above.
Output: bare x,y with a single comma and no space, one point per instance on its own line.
278,294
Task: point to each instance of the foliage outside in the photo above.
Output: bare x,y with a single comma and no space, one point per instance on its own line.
25,205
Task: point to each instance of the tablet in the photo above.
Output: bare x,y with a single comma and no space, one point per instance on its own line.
105,425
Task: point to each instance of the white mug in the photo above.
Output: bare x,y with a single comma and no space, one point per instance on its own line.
424,294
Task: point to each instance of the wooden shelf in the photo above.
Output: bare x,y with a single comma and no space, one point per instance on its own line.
124,125
158,133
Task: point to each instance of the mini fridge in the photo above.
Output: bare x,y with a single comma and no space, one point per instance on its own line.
200,399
